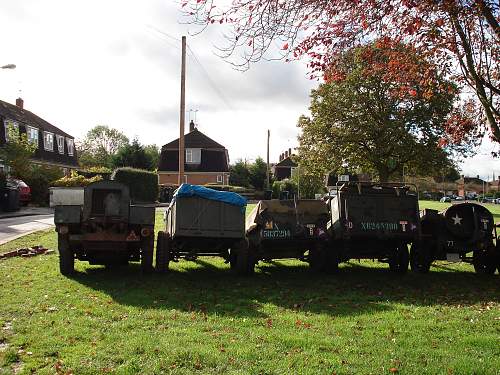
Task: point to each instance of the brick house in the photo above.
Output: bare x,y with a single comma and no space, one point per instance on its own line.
283,169
206,161
55,147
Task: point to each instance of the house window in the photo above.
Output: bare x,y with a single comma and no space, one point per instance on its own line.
48,141
220,179
10,124
32,135
193,155
60,143
71,146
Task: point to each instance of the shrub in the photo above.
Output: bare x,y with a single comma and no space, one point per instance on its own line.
75,180
284,185
39,181
143,184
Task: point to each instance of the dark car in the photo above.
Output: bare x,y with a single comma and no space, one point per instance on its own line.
24,190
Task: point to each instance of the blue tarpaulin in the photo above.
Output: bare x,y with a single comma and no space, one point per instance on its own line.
188,190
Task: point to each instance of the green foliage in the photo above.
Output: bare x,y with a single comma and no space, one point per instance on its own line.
258,172
308,184
133,155
284,185
360,122
239,174
75,180
99,146
154,154
39,181
16,153
143,184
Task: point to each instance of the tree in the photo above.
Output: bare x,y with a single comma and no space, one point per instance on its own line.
462,36
308,184
373,122
99,146
239,175
16,153
133,155
258,174
154,153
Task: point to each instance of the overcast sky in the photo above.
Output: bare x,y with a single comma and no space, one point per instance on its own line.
84,63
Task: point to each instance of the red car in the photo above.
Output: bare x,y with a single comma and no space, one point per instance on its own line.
24,190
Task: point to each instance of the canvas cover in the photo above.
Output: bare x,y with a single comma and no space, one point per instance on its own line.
286,211
188,190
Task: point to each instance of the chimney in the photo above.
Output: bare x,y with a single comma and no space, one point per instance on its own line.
478,177
286,154
191,126
289,152
20,103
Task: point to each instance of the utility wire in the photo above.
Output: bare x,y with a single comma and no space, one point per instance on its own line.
198,62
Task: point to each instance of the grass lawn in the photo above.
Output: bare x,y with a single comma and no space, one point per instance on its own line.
285,319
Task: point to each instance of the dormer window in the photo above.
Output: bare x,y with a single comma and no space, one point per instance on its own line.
70,143
193,155
60,143
48,141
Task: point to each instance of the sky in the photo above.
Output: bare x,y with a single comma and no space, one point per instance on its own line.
117,63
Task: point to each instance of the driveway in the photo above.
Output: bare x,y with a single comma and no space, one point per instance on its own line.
14,227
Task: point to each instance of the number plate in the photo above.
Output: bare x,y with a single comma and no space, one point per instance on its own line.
453,257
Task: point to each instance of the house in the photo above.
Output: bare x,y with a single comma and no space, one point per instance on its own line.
54,147
283,169
206,161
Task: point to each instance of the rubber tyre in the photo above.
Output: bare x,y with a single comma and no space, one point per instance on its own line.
147,248
399,261
162,252
332,261
66,256
485,261
420,259
317,259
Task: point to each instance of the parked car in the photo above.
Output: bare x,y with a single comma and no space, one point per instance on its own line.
24,190
445,200
459,198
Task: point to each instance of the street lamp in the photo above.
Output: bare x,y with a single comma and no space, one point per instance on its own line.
9,66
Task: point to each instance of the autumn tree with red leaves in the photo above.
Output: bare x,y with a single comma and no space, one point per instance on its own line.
462,36
377,119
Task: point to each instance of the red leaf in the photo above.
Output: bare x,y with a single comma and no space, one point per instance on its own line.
285,46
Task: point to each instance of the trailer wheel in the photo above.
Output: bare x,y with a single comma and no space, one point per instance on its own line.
485,261
162,252
317,259
332,261
398,261
66,256
420,258
147,248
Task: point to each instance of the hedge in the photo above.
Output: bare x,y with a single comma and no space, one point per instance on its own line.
75,180
143,184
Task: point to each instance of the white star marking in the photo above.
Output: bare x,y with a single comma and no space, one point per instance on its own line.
457,220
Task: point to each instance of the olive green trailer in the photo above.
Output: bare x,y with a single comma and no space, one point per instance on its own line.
281,229
201,225
374,221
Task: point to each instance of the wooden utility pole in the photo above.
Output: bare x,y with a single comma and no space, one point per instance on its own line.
267,174
182,113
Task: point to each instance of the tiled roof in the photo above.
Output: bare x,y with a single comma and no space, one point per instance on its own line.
287,162
24,116
194,139
211,161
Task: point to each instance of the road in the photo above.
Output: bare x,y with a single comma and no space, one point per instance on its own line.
14,227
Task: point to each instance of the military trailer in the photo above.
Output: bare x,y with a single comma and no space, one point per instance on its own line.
463,232
106,229
373,221
281,229
202,222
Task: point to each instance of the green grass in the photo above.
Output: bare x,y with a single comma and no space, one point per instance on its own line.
202,318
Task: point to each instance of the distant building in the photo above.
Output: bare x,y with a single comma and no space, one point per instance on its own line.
55,147
283,169
206,161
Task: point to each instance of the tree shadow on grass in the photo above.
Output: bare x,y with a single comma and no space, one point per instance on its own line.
209,286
